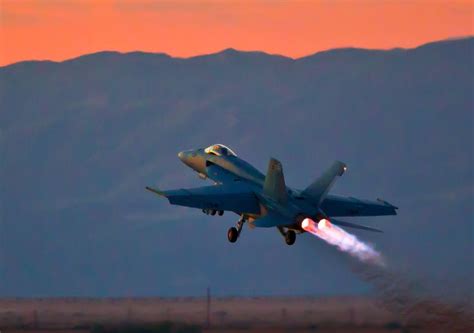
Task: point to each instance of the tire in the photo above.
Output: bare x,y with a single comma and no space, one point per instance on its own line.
213,212
232,234
220,212
290,237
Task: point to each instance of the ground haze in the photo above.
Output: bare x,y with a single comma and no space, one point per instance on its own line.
259,314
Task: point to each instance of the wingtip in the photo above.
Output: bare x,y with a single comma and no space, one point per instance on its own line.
156,191
342,166
386,203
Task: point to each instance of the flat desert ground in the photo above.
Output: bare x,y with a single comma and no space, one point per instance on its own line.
257,314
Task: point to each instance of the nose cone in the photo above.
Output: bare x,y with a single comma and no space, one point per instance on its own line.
193,159
185,157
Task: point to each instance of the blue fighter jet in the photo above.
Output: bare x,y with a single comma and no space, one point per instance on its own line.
264,200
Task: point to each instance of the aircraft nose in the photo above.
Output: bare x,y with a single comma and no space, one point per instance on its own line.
186,156
182,155
192,159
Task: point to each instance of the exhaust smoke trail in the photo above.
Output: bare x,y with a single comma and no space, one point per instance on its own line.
420,303
412,301
343,240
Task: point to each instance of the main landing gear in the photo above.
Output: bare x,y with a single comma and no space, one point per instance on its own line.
289,235
213,212
234,232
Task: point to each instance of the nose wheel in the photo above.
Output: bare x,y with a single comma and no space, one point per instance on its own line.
234,232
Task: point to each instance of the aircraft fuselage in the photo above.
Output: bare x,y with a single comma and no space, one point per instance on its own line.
296,208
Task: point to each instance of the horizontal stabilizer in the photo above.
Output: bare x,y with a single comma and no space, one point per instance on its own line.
353,225
334,205
318,190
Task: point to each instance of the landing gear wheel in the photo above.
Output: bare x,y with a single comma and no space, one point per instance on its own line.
213,212
220,212
232,234
290,237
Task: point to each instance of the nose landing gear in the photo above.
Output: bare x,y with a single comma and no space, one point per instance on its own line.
232,234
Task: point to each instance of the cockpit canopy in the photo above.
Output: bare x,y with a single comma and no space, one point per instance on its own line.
219,150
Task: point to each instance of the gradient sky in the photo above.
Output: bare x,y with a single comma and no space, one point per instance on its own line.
61,29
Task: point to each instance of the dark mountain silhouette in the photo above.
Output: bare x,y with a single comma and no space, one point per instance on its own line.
80,139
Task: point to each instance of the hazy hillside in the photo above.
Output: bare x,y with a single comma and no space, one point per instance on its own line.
81,139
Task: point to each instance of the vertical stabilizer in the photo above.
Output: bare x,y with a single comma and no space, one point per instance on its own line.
318,190
274,186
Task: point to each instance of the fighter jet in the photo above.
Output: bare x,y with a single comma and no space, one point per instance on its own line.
264,201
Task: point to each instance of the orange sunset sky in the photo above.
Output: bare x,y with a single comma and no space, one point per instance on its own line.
62,29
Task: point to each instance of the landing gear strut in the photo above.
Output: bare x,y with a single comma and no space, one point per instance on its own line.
234,232
289,235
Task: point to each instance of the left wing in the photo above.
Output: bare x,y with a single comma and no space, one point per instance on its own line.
230,197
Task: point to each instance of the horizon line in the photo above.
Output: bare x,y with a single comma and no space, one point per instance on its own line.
449,39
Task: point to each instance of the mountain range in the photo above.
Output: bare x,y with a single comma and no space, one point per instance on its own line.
80,139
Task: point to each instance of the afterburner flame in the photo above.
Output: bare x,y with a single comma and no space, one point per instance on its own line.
305,224
322,224
343,240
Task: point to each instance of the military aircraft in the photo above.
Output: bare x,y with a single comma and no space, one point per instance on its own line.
264,200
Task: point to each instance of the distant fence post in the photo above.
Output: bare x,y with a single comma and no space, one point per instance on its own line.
352,317
35,319
208,307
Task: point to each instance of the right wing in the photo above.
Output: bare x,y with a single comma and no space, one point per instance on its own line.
230,197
